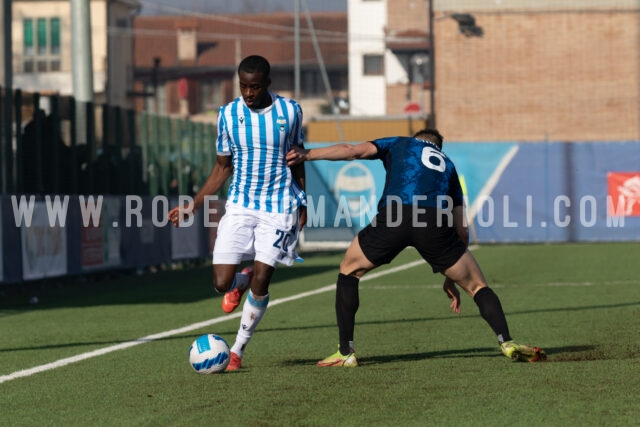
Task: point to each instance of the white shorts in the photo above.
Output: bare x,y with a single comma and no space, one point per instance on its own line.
247,234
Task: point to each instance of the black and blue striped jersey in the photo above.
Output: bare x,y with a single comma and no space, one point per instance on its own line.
417,172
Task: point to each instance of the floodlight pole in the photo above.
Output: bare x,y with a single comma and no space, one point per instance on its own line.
323,71
82,71
81,51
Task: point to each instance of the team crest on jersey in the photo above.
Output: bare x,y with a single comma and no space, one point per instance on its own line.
281,122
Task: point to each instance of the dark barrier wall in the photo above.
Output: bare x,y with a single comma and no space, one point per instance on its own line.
518,192
11,251
36,250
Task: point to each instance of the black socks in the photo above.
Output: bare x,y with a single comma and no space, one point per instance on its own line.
347,302
491,312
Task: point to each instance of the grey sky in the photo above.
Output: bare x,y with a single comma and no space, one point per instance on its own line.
168,7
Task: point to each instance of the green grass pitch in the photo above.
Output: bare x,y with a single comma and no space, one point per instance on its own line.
420,363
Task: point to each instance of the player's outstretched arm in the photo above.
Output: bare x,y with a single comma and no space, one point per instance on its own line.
221,171
364,150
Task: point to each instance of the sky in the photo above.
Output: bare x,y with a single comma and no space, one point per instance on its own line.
168,7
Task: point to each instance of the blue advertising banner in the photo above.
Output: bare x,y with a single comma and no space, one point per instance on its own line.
558,192
343,196
516,192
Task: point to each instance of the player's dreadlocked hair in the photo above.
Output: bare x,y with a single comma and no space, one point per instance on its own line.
430,135
255,64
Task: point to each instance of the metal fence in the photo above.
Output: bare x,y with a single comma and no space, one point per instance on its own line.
58,146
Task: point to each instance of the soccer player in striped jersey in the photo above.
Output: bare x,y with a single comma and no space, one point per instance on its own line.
265,207
421,206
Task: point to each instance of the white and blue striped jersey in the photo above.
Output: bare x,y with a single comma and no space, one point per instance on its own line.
258,141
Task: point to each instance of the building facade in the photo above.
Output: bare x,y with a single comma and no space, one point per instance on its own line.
561,70
42,55
549,70
389,57
186,65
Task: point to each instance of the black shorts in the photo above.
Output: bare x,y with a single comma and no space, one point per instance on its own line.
386,237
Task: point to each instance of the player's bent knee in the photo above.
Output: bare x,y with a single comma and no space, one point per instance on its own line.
220,288
222,284
474,288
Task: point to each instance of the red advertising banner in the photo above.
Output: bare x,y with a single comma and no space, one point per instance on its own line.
100,244
623,189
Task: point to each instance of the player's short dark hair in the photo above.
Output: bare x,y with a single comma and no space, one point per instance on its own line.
431,135
255,64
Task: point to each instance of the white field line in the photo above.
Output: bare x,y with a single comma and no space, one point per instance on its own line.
88,355
99,352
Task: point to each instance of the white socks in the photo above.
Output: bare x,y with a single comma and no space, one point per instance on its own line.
252,312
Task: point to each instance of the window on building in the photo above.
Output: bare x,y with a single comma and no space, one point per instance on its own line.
156,104
54,65
27,66
210,95
55,36
41,39
28,36
420,68
122,22
42,36
373,65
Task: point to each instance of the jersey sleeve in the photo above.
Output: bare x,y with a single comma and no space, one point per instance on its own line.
297,131
222,142
383,145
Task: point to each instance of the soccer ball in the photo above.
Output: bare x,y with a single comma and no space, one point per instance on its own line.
209,354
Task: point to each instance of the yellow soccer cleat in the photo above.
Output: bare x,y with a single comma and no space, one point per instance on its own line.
337,359
522,353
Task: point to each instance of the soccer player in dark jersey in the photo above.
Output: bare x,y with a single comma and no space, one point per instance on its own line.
421,206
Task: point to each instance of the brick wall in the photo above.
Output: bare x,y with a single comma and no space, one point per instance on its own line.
358,129
565,76
397,98
403,15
